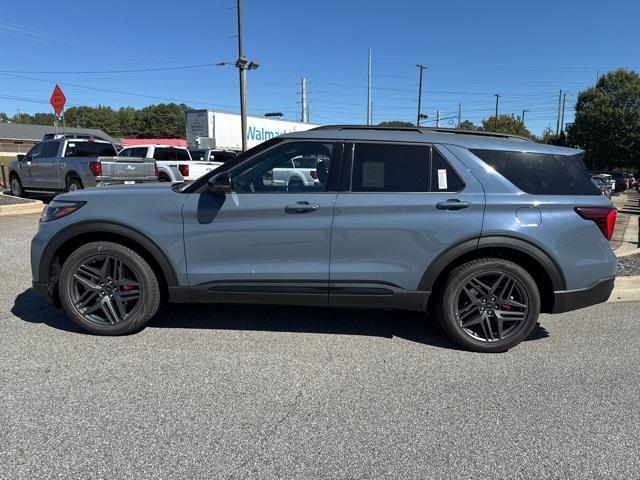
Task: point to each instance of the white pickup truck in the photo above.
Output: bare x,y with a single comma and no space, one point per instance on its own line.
297,172
174,163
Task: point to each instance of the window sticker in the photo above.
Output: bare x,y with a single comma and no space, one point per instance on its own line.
373,174
442,178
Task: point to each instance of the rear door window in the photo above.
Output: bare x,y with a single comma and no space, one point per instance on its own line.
379,167
541,173
443,177
90,149
163,153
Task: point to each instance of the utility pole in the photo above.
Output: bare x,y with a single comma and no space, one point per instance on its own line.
304,114
495,123
421,67
559,108
243,80
369,105
523,112
564,101
437,118
459,114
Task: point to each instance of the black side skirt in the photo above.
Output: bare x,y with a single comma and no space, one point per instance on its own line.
312,294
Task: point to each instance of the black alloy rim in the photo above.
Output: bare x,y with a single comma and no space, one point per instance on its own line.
491,307
106,290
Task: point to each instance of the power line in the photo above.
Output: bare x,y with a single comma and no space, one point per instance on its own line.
80,72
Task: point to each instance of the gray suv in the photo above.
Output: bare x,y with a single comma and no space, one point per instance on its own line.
481,231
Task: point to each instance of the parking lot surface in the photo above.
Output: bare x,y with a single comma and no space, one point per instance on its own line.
255,392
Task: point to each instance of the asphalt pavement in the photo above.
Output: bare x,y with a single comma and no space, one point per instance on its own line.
254,392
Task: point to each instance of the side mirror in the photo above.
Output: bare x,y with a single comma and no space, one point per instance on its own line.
22,157
220,183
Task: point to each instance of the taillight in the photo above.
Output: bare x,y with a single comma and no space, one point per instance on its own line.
604,217
184,170
155,169
314,174
96,168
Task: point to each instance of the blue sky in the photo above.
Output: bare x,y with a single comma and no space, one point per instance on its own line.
525,51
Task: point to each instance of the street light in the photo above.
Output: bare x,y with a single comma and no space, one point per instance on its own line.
242,64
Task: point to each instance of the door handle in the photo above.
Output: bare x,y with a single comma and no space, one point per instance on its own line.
301,207
452,204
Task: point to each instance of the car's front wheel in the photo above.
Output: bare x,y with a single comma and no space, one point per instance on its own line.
108,289
489,305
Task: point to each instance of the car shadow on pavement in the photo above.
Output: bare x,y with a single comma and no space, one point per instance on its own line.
410,326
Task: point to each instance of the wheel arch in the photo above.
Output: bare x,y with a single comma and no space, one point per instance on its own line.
64,242
544,269
72,174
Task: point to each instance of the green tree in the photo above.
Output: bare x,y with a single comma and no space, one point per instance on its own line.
43,118
165,120
3,117
22,118
396,123
467,125
506,124
607,121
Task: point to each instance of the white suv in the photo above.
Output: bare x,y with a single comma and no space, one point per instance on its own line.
174,163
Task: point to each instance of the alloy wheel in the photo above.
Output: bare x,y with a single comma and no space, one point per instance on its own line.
492,307
15,187
105,290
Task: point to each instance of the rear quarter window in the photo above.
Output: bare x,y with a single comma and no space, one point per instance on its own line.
541,173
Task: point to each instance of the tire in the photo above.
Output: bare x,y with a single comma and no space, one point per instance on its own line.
15,186
472,314
295,183
73,184
115,300
163,178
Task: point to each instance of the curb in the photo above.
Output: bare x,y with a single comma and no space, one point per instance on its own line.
30,207
626,289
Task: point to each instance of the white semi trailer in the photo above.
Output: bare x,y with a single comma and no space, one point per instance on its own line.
222,130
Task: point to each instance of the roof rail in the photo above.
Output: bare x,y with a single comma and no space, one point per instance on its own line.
457,131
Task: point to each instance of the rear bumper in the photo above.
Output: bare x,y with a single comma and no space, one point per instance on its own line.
567,300
100,182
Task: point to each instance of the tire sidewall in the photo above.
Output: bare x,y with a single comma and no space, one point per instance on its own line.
147,304
459,278
73,181
15,179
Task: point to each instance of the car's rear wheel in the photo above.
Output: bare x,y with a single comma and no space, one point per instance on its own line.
108,289
73,184
15,186
489,305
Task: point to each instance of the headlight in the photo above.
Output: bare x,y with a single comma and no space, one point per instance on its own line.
58,209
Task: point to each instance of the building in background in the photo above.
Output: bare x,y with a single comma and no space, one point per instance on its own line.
18,138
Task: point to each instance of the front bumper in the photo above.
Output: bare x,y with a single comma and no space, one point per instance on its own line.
42,289
567,300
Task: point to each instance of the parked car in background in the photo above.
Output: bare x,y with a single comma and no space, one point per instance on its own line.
211,155
632,180
67,163
174,163
622,183
297,172
603,185
483,231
